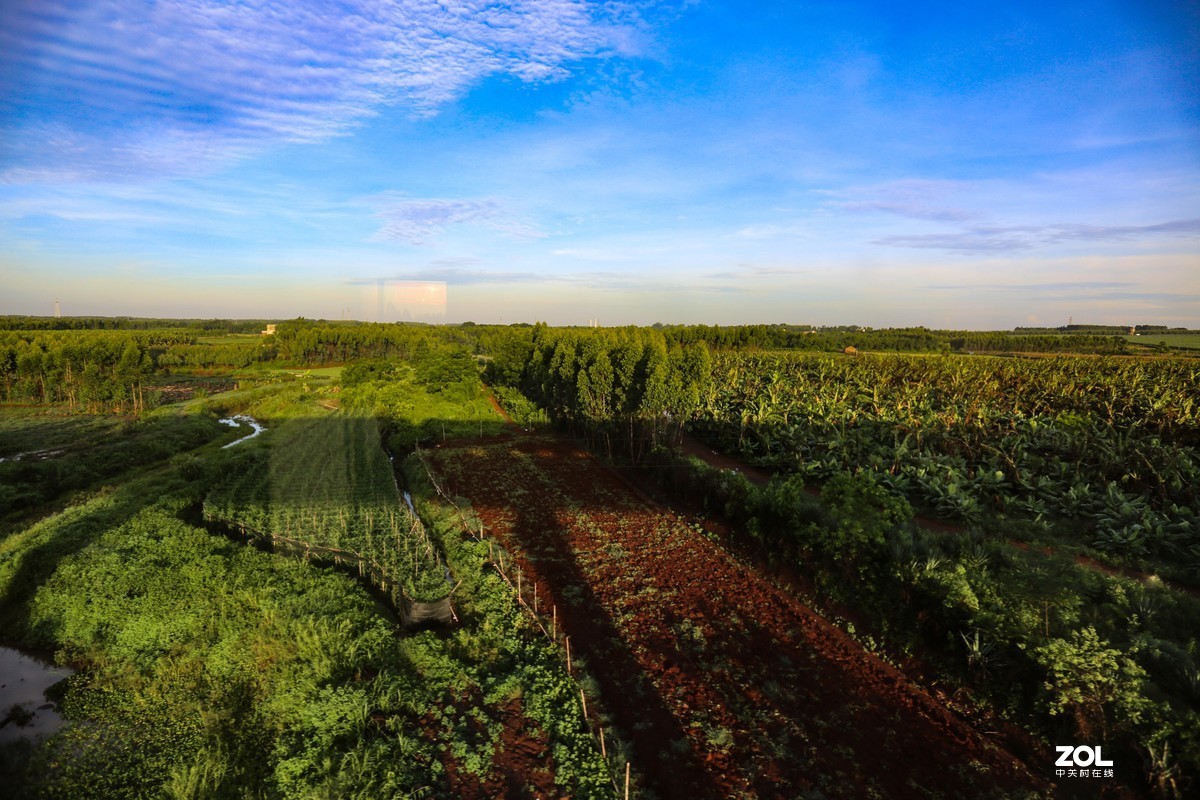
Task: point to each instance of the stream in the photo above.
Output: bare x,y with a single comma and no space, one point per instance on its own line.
37,455
237,420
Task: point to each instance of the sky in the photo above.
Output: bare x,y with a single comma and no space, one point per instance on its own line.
953,165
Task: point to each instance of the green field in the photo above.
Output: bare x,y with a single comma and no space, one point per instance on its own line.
208,668
232,338
1025,528
326,485
1188,341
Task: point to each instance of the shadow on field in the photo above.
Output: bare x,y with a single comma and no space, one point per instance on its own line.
662,752
62,536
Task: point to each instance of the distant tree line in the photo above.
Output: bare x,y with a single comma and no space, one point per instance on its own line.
793,337
96,368
904,340
1008,343
208,356
1111,330
91,370
206,327
314,342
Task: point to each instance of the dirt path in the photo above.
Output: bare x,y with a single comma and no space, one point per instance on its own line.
723,685
499,409
692,446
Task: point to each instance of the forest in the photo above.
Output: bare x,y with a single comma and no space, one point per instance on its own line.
997,531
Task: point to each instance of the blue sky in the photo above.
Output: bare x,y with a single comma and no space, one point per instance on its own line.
945,164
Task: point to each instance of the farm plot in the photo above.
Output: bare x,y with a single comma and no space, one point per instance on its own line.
45,456
1104,450
327,488
724,685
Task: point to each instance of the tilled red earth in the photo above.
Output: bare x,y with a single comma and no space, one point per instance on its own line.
724,685
521,764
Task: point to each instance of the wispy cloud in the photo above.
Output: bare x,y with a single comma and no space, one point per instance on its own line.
418,221
172,85
1015,238
743,270
1065,286
1077,291
913,199
772,231
454,276
465,272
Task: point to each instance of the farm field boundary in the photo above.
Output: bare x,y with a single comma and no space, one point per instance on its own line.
725,685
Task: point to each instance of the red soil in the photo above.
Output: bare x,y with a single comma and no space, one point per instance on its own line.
499,410
723,684
521,766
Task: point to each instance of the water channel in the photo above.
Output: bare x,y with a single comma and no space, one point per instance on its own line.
24,710
237,420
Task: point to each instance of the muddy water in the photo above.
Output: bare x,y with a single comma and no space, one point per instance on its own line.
24,710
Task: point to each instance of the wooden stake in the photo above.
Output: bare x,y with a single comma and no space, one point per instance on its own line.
554,623
583,697
568,640
535,604
626,780
518,582
603,751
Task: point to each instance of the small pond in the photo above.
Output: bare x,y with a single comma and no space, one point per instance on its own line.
24,710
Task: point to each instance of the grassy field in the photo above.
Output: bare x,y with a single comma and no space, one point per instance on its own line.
1190,341
45,429
232,338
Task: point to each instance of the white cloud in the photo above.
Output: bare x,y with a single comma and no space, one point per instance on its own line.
141,88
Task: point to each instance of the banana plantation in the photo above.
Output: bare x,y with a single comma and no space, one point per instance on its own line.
1108,445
